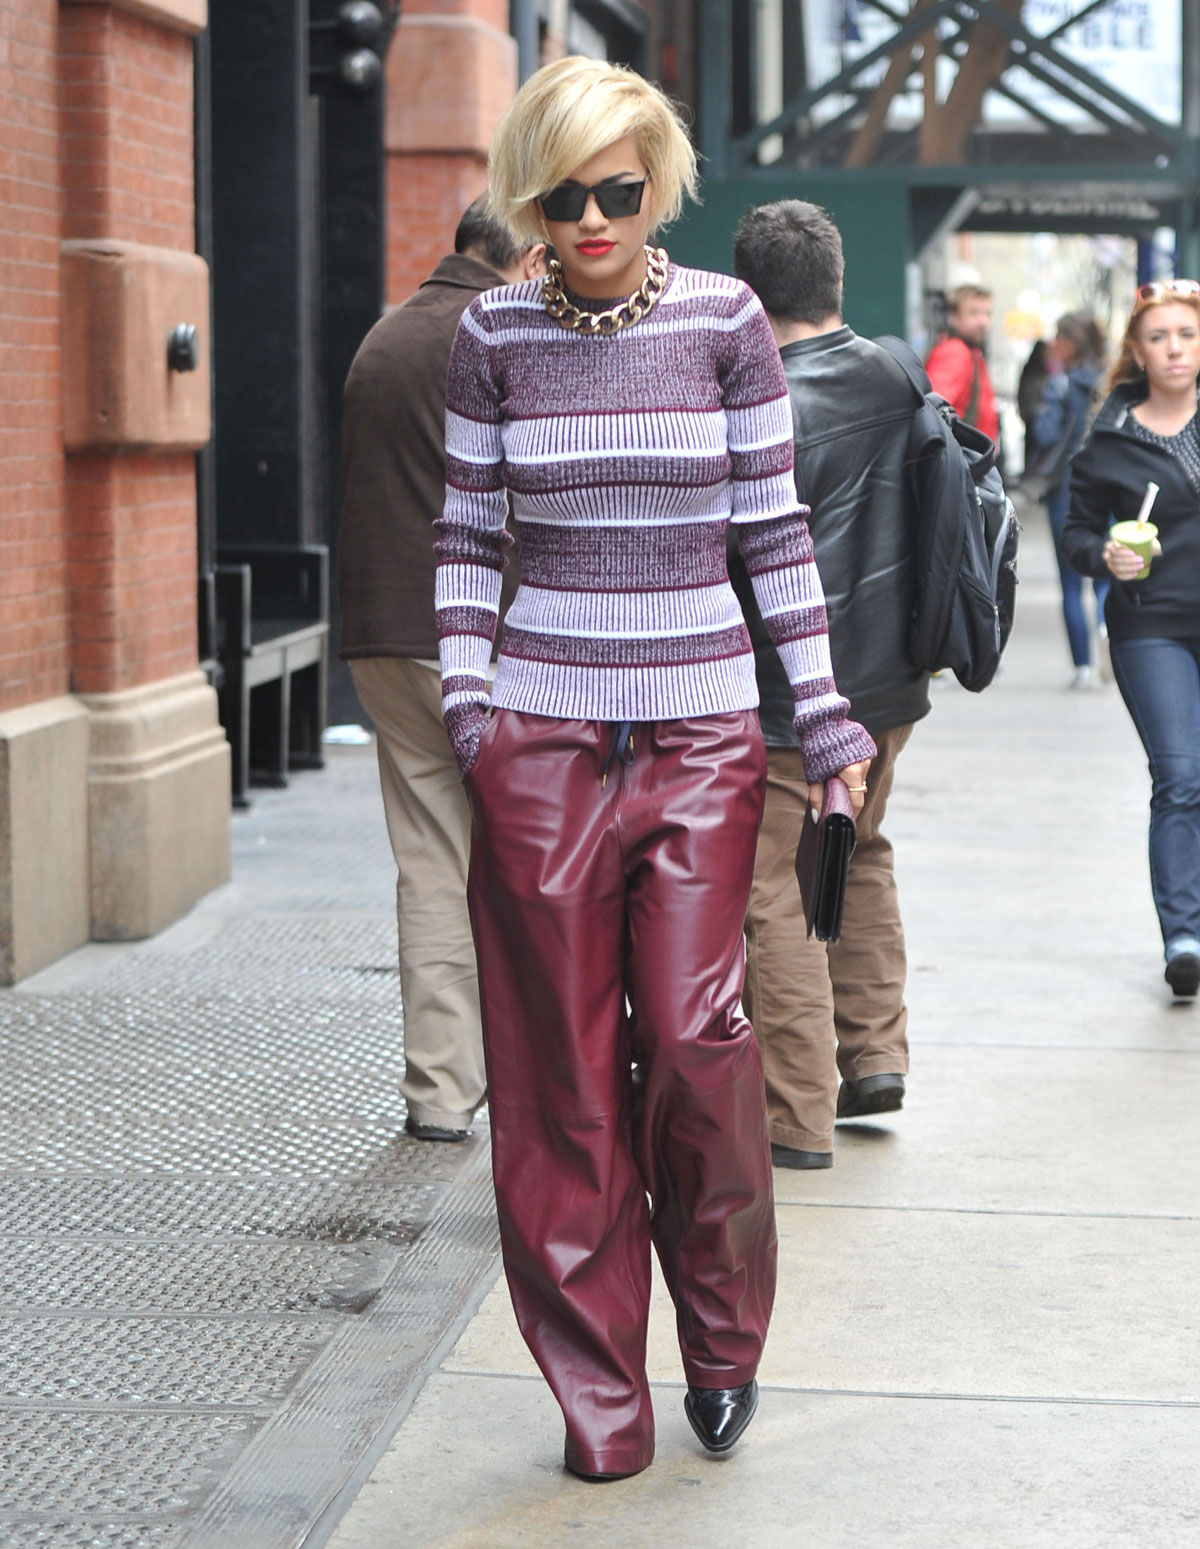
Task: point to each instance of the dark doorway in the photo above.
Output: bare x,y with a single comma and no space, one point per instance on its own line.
352,238
290,217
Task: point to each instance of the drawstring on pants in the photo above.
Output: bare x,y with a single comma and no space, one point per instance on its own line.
620,746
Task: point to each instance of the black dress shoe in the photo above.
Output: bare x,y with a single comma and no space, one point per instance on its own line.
433,1131
1183,975
720,1415
789,1156
873,1094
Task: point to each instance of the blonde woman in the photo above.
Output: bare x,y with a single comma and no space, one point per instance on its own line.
632,408
1148,433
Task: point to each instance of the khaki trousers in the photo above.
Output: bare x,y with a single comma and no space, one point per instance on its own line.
819,1008
429,824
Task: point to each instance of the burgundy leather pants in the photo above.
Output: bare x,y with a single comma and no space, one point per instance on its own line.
614,1127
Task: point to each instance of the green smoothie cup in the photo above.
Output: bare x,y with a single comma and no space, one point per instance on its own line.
1138,536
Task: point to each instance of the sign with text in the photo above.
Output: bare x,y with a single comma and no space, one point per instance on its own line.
1134,46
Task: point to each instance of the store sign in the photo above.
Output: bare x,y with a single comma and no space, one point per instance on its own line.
1132,45
1053,209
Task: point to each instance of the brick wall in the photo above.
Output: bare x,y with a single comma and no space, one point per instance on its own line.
34,622
127,128
132,568
493,13
440,123
95,141
128,173
426,196
451,73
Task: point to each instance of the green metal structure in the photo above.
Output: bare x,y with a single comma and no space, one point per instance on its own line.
891,181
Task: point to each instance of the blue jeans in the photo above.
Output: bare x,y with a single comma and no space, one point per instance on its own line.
1074,616
1160,684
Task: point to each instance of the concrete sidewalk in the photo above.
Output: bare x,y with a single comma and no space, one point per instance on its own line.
224,1267
986,1329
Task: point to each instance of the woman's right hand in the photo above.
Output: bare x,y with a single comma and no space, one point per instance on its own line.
1124,563
464,727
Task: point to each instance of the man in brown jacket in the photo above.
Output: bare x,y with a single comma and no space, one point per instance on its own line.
393,486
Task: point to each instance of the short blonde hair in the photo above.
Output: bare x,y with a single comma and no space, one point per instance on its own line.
565,114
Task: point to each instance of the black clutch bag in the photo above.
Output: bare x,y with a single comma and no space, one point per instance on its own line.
823,862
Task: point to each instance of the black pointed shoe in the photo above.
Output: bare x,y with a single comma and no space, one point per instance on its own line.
873,1094
720,1415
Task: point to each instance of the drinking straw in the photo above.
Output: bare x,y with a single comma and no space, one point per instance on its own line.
1144,514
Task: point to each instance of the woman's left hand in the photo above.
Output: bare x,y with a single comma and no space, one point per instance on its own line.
855,776
1126,564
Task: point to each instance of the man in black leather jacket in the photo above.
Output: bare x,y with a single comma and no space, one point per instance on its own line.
822,1009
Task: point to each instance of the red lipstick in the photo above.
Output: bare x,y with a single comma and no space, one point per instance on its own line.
595,248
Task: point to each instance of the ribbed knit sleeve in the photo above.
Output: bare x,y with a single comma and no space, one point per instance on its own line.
779,561
775,543
758,414
472,539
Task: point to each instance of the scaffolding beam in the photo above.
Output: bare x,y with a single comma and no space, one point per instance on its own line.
997,39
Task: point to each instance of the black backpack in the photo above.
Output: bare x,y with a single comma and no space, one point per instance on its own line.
966,538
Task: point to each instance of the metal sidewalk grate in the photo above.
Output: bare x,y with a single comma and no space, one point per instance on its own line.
222,1262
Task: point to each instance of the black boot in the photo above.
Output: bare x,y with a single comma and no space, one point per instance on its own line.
1183,975
873,1094
720,1415
788,1156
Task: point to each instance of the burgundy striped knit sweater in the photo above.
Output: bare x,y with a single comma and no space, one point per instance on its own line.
627,456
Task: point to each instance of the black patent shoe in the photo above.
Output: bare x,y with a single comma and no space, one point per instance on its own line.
720,1415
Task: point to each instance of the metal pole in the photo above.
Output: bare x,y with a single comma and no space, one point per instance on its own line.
1190,60
523,24
716,54
1188,236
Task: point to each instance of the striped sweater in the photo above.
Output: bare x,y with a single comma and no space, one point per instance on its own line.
627,456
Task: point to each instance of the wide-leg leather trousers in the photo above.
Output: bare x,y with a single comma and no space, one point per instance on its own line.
625,1085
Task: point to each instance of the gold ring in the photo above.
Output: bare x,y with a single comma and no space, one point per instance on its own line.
856,788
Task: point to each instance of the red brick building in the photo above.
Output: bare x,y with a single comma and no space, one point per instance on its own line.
114,766
451,72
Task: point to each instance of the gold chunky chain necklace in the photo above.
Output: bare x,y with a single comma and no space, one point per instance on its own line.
623,315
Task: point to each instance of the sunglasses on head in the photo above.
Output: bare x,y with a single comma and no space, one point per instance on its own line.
568,201
1159,290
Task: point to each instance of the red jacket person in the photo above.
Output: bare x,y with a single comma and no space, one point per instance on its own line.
956,365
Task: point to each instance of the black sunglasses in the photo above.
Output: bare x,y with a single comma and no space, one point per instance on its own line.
568,201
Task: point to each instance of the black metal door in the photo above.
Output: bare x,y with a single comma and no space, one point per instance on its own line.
290,216
206,506
347,43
